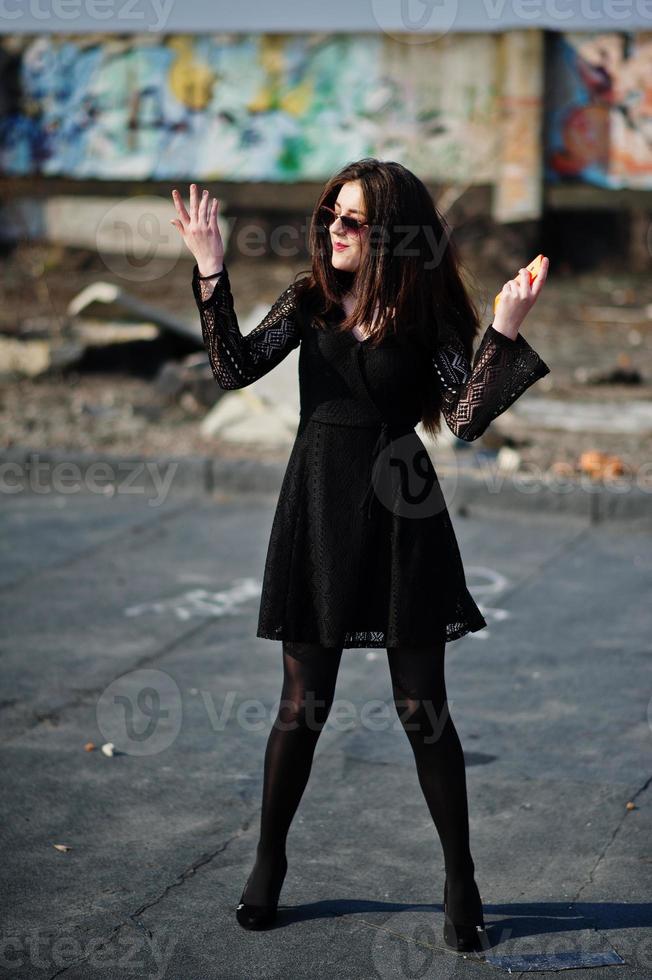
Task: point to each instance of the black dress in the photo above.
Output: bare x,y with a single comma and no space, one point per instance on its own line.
362,552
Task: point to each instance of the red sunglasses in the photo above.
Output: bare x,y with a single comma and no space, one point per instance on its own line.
327,216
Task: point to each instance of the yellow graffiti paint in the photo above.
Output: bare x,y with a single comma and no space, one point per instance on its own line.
190,80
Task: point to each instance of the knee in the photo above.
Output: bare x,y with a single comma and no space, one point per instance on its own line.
424,720
305,714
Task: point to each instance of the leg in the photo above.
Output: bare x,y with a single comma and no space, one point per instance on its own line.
421,701
309,676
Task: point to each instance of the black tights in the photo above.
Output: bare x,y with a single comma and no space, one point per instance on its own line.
419,691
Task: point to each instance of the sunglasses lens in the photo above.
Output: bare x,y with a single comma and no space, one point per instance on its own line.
328,217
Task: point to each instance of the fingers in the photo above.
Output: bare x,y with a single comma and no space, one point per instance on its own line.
178,203
212,217
541,278
201,210
199,205
523,283
194,201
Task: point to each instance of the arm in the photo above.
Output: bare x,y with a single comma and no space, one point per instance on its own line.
474,395
239,360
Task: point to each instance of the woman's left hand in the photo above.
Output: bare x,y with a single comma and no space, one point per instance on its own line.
517,297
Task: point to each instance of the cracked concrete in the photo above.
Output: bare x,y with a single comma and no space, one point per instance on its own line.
634,796
552,703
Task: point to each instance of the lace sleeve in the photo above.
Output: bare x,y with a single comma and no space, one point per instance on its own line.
475,395
238,360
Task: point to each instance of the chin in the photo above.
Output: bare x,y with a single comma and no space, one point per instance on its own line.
342,263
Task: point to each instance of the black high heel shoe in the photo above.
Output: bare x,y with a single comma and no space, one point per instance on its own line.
465,937
260,916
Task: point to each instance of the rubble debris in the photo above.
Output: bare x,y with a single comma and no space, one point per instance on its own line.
508,459
597,417
561,467
103,332
623,373
601,465
110,300
614,314
245,418
31,358
191,375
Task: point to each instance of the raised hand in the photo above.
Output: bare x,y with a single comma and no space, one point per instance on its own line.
517,297
199,229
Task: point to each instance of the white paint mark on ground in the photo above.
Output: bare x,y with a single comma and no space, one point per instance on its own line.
202,602
487,582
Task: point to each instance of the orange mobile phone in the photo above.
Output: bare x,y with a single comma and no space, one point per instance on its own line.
533,268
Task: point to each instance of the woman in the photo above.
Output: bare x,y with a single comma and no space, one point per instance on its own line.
362,552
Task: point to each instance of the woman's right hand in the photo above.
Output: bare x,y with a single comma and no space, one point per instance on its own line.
199,229
517,297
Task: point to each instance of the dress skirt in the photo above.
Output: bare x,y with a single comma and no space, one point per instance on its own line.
342,575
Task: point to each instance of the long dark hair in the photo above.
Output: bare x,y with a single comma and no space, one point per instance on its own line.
410,270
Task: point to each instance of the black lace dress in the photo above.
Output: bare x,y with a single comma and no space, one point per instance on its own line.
362,552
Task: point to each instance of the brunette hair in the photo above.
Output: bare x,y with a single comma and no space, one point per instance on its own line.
410,270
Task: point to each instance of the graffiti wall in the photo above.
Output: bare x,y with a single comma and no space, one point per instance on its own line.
297,107
599,109
247,107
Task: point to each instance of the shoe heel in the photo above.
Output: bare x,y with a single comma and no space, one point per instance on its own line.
464,937
259,916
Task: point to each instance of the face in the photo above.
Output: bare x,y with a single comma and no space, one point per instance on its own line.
347,245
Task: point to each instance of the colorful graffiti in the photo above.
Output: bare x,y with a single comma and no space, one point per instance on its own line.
599,109
249,107
297,107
